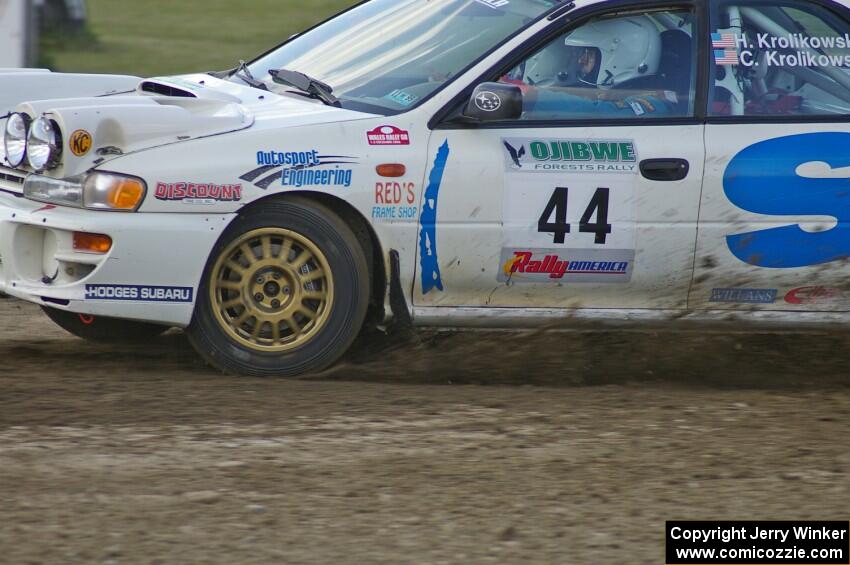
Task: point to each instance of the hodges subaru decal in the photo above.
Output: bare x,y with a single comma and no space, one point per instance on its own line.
139,293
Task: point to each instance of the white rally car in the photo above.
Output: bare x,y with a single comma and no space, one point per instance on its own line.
495,163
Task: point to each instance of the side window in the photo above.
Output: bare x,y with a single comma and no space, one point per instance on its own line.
786,60
624,66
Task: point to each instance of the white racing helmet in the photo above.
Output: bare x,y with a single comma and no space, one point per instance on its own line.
626,49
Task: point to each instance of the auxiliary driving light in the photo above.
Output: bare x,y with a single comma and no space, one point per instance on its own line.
44,144
15,138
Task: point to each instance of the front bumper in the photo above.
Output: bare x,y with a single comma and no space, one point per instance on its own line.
151,273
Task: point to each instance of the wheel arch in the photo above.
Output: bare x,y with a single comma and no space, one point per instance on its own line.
365,233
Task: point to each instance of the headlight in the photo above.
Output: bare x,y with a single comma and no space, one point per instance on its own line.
15,138
44,144
68,192
96,191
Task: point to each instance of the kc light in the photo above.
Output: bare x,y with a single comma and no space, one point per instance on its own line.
108,191
15,138
96,191
44,144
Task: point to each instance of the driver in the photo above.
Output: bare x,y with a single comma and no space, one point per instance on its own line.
607,66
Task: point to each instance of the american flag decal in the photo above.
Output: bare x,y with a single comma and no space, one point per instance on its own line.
726,57
724,41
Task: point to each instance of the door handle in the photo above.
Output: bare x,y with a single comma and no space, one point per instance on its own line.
664,169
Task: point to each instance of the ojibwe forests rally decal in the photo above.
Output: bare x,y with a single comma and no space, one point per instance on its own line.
569,210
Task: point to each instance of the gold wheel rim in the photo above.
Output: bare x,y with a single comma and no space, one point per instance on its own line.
272,290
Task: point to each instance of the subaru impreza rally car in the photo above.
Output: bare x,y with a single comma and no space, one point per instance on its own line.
495,163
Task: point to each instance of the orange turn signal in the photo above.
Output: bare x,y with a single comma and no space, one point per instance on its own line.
92,242
126,194
392,170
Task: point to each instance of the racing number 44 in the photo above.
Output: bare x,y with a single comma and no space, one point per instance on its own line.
557,205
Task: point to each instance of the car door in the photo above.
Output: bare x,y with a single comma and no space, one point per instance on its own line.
774,230
589,199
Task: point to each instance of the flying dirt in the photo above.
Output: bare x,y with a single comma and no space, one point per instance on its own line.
545,447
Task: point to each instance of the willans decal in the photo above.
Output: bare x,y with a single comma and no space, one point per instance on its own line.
797,175
743,295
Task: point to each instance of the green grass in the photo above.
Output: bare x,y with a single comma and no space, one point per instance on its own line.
157,37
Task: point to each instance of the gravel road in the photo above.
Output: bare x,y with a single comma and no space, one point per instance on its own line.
544,447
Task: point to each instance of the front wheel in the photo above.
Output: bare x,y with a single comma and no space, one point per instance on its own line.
103,329
284,292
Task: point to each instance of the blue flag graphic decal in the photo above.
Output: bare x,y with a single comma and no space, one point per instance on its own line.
428,262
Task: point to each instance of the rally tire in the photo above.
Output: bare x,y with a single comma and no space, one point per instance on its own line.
102,329
285,292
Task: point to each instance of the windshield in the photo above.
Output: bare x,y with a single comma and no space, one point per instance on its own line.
388,55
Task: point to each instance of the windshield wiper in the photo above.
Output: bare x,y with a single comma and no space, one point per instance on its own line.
315,88
244,73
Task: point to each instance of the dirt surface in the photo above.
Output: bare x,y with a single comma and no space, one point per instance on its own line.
469,448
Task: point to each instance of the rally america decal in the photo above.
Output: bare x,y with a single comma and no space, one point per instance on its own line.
534,155
139,293
566,265
296,169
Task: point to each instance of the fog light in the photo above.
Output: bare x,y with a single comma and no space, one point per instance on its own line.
44,144
15,138
92,242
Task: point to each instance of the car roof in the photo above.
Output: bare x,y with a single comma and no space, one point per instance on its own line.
585,3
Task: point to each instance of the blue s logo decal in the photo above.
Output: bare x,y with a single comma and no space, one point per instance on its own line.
797,175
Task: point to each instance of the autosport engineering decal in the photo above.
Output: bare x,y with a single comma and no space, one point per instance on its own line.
428,263
809,175
295,169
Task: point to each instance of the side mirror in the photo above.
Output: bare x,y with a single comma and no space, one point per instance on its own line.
494,101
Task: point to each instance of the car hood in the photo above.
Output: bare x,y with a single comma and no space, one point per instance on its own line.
110,119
